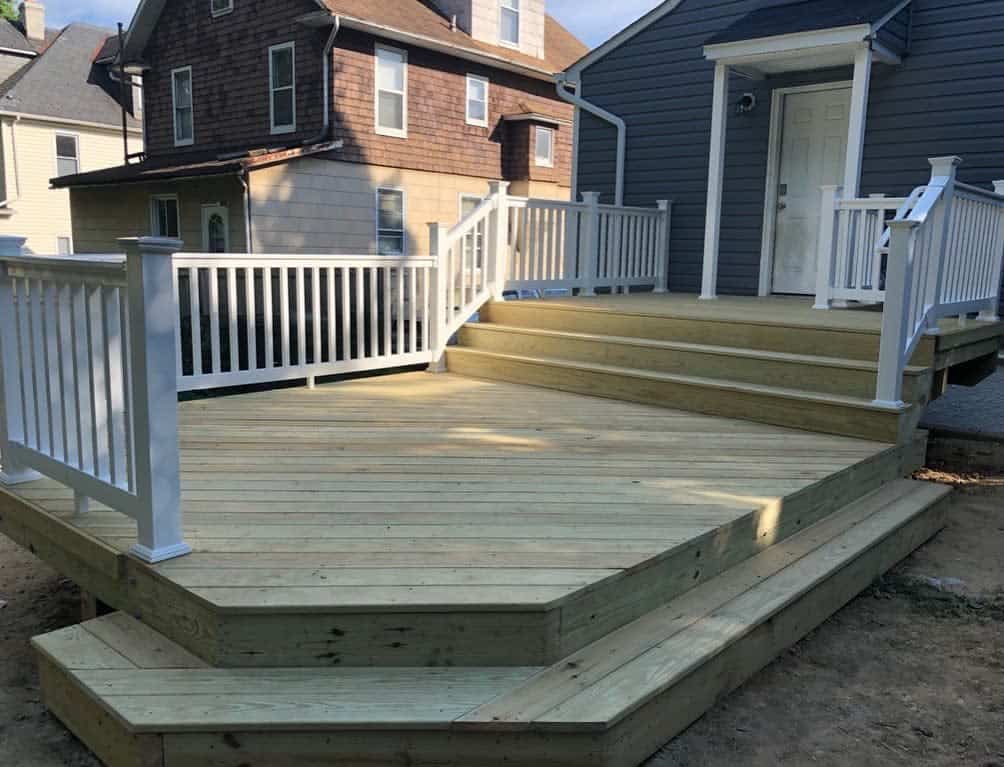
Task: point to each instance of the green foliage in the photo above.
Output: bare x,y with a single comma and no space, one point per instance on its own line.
7,10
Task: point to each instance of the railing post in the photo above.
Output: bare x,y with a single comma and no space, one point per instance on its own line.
825,275
991,314
153,367
439,302
498,255
589,255
662,266
11,472
896,314
943,170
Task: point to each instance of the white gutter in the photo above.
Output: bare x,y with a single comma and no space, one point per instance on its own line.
336,25
245,179
572,98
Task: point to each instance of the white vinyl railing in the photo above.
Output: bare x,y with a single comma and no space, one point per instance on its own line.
249,319
945,260
88,390
854,245
584,246
95,349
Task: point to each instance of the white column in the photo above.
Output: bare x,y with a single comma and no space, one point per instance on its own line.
11,472
153,361
716,178
895,323
497,257
858,118
589,255
662,253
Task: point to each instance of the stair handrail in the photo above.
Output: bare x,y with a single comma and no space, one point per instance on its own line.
945,259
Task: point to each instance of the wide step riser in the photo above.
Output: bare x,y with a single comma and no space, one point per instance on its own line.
767,337
823,417
794,374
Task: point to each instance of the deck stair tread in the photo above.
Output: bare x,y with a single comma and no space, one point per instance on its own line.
153,686
730,351
713,383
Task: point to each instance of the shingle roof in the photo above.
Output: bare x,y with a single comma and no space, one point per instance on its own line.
12,38
62,82
806,16
420,17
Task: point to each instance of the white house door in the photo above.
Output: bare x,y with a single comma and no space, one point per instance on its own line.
813,151
215,229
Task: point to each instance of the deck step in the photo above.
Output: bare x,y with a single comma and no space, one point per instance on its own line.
806,372
754,330
138,700
827,413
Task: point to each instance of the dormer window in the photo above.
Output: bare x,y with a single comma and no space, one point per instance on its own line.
220,7
509,22
543,152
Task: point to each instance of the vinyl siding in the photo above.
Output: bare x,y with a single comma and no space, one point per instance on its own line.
39,213
945,98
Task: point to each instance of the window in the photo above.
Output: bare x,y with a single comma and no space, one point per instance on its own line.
220,7
215,229
64,246
137,96
477,101
390,222
282,87
543,153
509,22
181,93
164,216
67,156
391,92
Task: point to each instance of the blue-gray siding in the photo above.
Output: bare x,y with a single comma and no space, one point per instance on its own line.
947,97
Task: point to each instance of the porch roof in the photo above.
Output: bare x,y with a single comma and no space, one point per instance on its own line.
806,16
194,166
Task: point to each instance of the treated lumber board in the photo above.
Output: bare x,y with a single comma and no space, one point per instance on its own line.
76,648
143,646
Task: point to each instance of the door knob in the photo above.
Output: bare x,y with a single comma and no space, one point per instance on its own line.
782,206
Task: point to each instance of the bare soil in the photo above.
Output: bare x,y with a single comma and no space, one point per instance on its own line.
909,673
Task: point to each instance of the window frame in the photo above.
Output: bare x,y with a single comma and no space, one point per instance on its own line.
507,6
549,161
401,132
272,89
221,12
404,219
155,218
76,144
467,100
69,245
174,105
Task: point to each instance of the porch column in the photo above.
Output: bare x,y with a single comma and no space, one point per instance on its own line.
716,177
858,117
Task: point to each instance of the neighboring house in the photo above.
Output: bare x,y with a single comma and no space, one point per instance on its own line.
60,114
336,126
858,94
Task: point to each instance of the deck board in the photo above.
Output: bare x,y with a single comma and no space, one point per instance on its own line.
429,491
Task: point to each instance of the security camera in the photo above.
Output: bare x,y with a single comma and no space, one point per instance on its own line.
746,104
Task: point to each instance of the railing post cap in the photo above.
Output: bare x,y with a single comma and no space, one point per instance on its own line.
663,204
161,245
495,186
943,166
902,224
999,186
11,241
590,197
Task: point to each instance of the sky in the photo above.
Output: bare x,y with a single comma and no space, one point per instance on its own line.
592,20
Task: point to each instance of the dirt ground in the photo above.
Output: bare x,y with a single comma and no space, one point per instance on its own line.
910,673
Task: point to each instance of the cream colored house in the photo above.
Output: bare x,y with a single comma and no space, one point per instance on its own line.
59,115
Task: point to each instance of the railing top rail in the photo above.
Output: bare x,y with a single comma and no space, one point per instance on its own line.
100,267
976,191
871,203
630,209
293,259
468,222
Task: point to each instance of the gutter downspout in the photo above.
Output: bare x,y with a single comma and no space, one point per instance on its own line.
336,25
565,94
245,178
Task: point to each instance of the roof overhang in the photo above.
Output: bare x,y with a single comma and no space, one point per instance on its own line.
535,117
799,51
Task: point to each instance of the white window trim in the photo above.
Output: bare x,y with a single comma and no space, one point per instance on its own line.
549,163
69,239
174,106
76,141
467,100
404,218
217,13
153,212
519,25
278,129
392,132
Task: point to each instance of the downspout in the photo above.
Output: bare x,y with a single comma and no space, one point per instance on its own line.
565,94
336,25
17,170
245,179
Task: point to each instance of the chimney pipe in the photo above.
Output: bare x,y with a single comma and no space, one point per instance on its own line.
32,14
453,23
